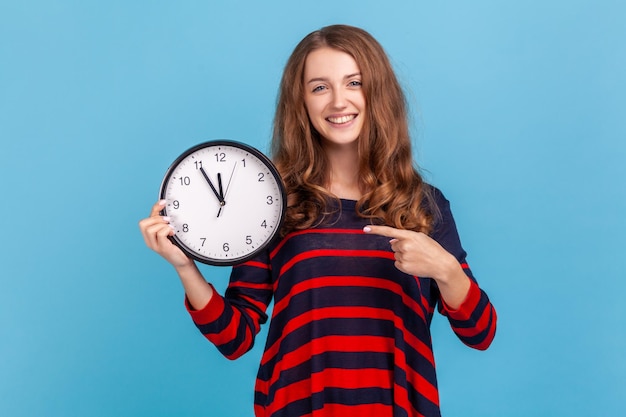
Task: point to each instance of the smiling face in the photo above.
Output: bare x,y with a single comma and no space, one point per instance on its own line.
333,95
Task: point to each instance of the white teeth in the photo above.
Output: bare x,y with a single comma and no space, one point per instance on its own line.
342,119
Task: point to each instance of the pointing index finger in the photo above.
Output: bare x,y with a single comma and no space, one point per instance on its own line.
384,231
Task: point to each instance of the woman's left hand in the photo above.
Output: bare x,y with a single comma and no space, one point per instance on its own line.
419,255
416,253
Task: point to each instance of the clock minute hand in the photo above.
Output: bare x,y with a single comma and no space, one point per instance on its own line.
206,177
224,194
231,177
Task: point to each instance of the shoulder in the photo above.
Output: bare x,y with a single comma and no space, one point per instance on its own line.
444,229
439,208
435,202
435,194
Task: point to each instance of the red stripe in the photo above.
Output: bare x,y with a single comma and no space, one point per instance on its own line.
335,253
251,285
229,334
211,312
255,264
484,344
350,379
417,381
364,410
480,325
243,347
331,378
467,307
492,332
348,281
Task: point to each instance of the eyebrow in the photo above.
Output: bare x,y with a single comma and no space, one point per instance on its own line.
346,77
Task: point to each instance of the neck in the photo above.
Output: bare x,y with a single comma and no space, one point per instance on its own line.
344,171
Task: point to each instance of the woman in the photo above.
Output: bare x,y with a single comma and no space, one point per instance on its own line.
368,250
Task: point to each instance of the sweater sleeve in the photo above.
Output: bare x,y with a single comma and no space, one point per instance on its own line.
231,322
474,321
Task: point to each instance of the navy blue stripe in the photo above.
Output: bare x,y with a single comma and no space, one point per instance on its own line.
219,324
480,336
476,314
339,360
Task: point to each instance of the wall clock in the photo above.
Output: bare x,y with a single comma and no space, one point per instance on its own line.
226,201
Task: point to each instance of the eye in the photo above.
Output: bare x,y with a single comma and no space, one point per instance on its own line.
354,83
318,88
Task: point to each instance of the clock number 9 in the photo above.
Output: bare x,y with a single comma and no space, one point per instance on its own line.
175,204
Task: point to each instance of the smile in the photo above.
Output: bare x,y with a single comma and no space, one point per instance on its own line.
341,119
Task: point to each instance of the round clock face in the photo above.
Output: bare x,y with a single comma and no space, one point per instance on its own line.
225,200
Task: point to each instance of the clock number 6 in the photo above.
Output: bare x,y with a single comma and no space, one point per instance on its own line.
225,247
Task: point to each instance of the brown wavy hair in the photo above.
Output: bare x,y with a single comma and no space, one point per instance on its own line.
394,192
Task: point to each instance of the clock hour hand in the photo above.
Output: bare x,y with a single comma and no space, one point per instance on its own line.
218,195
219,184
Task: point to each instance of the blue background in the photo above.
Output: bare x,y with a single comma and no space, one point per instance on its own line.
518,116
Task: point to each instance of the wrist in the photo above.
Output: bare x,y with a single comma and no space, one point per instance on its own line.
454,285
451,272
185,267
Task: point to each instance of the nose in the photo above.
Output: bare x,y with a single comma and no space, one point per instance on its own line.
339,99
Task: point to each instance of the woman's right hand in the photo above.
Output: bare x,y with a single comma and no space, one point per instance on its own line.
156,230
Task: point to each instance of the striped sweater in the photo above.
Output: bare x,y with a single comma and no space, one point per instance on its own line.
349,333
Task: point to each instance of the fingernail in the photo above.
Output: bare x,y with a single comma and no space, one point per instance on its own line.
162,202
167,218
367,229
